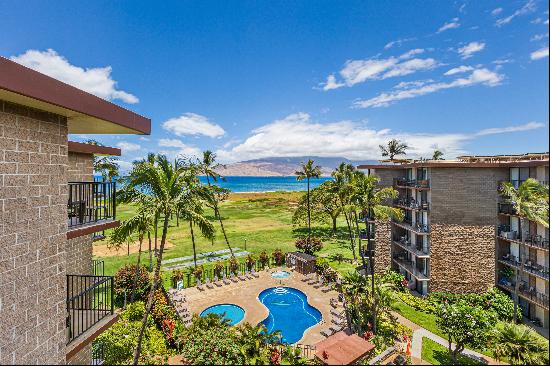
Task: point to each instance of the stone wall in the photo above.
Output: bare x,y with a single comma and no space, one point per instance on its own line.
79,255
82,357
382,246
81,167
462,219
386,175
33,197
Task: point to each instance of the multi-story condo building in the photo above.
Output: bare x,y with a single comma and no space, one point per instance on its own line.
54,299
457,235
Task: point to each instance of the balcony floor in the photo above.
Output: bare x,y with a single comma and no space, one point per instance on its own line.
91,333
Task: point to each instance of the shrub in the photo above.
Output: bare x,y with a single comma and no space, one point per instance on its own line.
396,279
134,311
124,281
263,259
177,275
233,265
198,272
250,261
218,269
322,265
309,245
278,257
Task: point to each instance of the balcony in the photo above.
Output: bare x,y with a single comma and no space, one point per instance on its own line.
411,204
532,295
507,209
411,183
405,243
91,207
417,228
510,260
536,241
363,234
536,269
410,267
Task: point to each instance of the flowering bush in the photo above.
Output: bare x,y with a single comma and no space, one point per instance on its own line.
309,245
124,281
263,259
278,257
250,261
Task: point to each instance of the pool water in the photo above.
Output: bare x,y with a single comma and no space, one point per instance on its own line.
289,312
227,311
280,274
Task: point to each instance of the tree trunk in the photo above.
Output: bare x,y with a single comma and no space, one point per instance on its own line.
217,213
308,215
519,272
371,265
156,231
150,252
156,280
193,241
134,285
334,218
177,218
352,240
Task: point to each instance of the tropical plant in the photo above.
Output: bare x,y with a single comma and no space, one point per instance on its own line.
126,282
250,261
233,265
437,155
254,342
278,257
198,272
341,187
530,201
307,172
393,148
177,275
519,344
309,245
219,267
324,207
263,259
107,166
464,326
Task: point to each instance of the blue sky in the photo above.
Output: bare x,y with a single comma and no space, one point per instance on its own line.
258,79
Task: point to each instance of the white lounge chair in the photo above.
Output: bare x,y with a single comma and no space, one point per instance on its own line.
225,280
308,277
200,287
209,284
254,273
327,288
248,275
319,283
241,277
338,321
327,332
233,278
217,282
338,314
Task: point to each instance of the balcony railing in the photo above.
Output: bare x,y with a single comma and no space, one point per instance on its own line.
412,183
89,300
363,234
418,228
537,241
528,266
411,203
409,266
532,295
405,243
91,202
507,209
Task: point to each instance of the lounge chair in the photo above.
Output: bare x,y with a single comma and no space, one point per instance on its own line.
233,278
217,281
334,303
338,321
254,273
248,275
338,314
225,280
319,283
328,287
241,277
308,277
209,284
200,287
327,332
336,328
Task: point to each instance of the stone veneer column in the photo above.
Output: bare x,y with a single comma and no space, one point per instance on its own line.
382,246
33,197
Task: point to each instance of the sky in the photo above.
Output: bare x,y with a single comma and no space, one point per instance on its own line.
299,78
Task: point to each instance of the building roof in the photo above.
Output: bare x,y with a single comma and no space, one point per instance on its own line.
85,112
467,161
342,349
303,256
80,147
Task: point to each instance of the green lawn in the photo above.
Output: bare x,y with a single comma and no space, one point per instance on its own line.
437,354
262,221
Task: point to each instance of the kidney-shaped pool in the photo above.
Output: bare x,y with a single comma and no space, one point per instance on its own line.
289,312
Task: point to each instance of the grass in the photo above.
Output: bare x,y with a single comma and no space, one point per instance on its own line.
255,221
437,354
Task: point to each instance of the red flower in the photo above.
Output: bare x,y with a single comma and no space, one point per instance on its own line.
275,357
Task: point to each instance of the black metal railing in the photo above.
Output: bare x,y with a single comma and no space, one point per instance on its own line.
538,241
90,202
413,183
98,353
89,300
532,294
536,269
411,203
507,209
98,267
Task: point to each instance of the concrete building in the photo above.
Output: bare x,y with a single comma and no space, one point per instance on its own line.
54,300
457,235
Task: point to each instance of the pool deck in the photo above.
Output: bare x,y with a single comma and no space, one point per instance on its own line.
245,294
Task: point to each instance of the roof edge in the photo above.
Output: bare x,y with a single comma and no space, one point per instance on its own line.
81,147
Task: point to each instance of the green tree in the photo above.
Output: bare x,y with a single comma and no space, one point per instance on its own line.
530,201
437,155
325,207
465,326
107,166
341,186
520,345
393,148
255,340
308,171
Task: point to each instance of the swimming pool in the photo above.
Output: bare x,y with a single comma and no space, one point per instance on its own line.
228,311
280,274
289,312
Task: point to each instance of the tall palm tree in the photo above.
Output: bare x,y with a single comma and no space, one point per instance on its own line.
139,224
164,183
308,171
208,167
437,155
394,148
107,166
341,186
530,201
520,345
372,201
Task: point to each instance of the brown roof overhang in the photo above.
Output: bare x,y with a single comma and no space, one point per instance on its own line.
511,164
85,112
80,147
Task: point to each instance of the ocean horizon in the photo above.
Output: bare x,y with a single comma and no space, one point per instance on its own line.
246,184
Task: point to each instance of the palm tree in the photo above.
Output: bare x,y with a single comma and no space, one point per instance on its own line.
139,224
308,171
340,185
105,165
255,339
394,147
530,201
164,183
520,345
208,167
438,155
371,199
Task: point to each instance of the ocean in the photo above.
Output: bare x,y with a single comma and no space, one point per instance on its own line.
267,184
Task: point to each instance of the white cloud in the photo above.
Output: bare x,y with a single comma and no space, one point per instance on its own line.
298,135
503,61
527,8
471,48
449,25
477,77
97,80
181,149
539,37
398,42
525,127
412,84
540,53
193,124
496,11
359,71
128,146
540,21
457,70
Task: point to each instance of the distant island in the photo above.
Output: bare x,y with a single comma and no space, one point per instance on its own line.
283,166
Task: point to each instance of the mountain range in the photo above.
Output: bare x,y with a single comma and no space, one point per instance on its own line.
284,166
